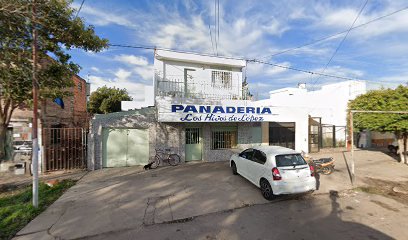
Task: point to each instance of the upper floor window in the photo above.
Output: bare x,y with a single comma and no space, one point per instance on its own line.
221,79
80,86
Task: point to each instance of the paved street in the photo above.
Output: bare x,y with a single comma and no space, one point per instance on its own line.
205,201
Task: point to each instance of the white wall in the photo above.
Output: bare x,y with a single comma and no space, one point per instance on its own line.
148,101
329,103
169,75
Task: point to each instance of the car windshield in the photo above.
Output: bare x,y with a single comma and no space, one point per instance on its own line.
289,160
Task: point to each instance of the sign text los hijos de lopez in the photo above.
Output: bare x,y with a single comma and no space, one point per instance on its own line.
206,113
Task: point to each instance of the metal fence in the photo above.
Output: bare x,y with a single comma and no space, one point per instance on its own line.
332,136
64,148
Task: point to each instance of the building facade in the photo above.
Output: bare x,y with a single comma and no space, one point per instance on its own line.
201,111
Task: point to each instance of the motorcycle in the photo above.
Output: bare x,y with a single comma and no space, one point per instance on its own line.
323,165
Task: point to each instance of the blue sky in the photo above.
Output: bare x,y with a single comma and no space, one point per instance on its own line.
377,52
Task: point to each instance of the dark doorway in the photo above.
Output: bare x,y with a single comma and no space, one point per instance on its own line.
282,134
314,134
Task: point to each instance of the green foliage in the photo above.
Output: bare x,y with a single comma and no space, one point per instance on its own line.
16,210
106,100
382,100
58,31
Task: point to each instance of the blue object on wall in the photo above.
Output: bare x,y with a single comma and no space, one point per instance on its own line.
60,102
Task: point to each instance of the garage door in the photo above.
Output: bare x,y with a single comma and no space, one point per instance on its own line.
125,147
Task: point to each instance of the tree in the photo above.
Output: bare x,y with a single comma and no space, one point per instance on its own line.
106,100
58,31
384,100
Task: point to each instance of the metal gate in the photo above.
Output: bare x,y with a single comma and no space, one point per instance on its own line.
64,148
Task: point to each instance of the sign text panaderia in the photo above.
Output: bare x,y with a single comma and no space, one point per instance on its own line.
213,113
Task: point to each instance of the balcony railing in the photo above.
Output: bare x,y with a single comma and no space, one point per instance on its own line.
199,89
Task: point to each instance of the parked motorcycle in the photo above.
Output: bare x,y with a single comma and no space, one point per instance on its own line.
323,165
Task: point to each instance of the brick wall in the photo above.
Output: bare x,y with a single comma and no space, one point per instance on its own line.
74,113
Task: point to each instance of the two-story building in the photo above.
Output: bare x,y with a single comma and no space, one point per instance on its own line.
199,107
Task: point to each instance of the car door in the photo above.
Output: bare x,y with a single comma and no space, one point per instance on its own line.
256,168
244,162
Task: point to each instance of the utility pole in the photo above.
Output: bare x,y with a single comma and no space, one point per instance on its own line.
352,147
35,110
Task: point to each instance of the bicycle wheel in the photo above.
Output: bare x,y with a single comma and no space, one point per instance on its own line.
156,162
174,159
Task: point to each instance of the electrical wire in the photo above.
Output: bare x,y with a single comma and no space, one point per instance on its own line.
215,26
341,42
334,35
212,44
79,8
251,60
218,11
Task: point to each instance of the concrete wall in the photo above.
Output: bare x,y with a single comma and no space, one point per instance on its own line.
166,135
329,103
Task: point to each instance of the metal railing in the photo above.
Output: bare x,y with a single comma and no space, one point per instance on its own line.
198,89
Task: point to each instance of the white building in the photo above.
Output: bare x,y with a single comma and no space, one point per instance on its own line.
329,103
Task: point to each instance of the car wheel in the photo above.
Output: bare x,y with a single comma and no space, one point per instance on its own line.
234,168
266,190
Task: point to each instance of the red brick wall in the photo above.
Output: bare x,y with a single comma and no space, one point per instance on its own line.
73,115
80,101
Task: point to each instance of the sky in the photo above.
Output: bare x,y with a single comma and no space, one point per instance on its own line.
376,52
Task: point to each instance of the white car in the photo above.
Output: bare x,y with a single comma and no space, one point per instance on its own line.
275,170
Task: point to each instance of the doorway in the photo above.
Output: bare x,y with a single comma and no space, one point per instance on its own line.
194,149
282,134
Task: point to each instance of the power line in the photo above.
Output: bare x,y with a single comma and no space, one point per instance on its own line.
215,26
212,44
218,10
132,46
318,73
301,70
79,8
334,35
251,60
341,42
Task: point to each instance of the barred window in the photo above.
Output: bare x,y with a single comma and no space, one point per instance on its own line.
224,139
221,79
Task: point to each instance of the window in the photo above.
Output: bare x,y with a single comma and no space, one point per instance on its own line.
259,157
289,160
221,79
80,86
224,138
192,135
282,134
247,154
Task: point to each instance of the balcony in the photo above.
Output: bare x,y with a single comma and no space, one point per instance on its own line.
200,89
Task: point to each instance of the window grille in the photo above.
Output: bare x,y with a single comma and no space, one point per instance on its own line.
221,79
224,139
192,136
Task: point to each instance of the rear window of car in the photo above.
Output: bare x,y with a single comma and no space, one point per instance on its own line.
289,160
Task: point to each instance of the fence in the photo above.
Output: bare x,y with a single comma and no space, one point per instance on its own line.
64,148
332,136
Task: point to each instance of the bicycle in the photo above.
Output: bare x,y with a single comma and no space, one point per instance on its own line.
161,156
